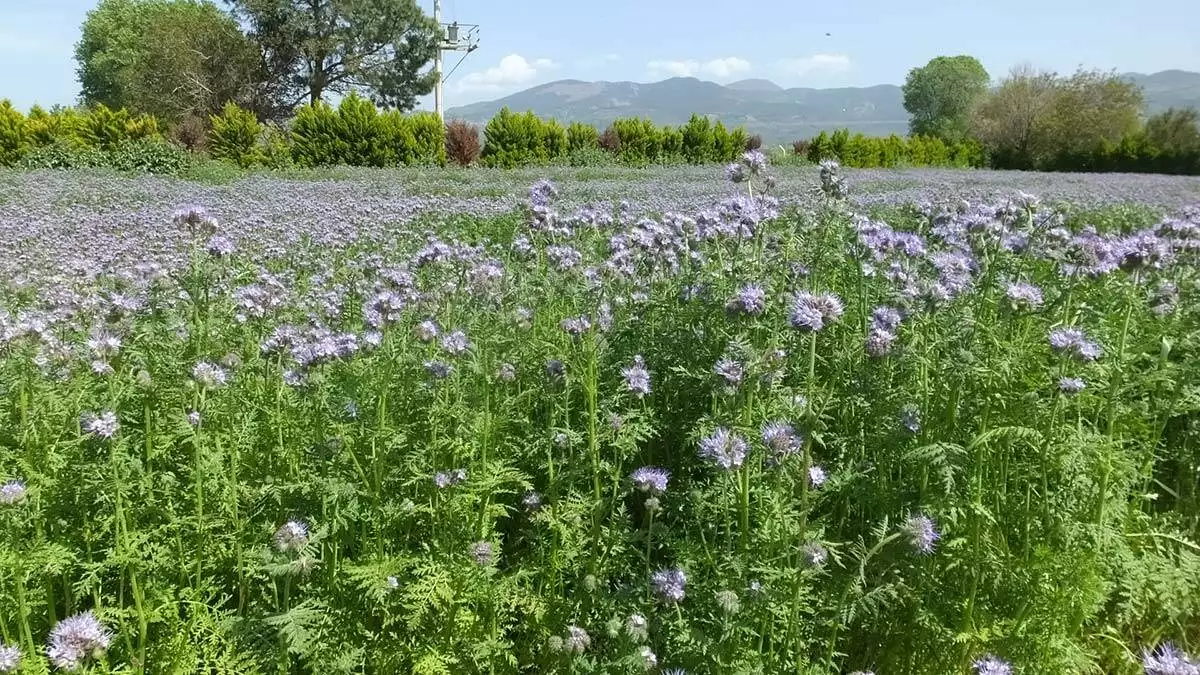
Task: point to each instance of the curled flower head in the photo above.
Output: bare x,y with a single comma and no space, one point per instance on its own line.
102,425
1072,343
921,533
651,479
532,501
1024,295
445,479
647,657
291,536
724,448
10,658
755,161
220,247
735,173
817,476
209,375
728,602
1168,660
427,331
781,440
577,640
76,639
637,627
637,378
1071,385
730,371
750,299
814,554
456,343
991,665
669,584
12,492
482,552
812,312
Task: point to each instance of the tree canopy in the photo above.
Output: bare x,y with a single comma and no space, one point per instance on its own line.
310,47
939,96
169,58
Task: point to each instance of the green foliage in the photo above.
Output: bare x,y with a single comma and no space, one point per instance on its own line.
940,96
319,46
14,135
1176,129
699,146
104,129
168,58
316,134
234,136
521,139
363,141
276,147
641,142
581,137
148,155
727,146
864,152
64,154
429,144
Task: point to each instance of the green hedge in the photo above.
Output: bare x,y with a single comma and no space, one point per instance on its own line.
868,152
98,137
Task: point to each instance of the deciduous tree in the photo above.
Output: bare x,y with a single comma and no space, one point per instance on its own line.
940,95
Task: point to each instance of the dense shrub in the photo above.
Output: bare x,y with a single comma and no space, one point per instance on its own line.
276,147
641,142
698,144
867,152
104,128
429,140
801,147
46,128
317,138
462,143
14,139
234,136
610,141
521,139
581,137
63,154
148,155
366,140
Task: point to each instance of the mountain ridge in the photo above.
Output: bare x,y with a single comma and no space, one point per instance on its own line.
779,114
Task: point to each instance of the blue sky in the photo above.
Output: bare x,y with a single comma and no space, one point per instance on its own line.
526,42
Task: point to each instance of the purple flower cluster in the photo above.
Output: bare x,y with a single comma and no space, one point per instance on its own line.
724,448
811,312
651,479
1072,342
669,584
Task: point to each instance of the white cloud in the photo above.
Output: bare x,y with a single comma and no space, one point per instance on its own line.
513,70
718,68
817,63
726,67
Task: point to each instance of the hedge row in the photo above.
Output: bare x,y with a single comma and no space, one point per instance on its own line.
869,152
99,137
1135,153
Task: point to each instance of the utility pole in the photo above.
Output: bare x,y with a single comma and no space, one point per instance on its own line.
452,37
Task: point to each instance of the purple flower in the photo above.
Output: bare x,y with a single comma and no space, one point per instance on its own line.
440,370
921,533
10,658
12,492
1024,295
532,501
651,479
576,325
781,440
669,584
755,161
730,371
76,639
507,372
637,378
577,641
817,476
724,448
556,369
445,479
1168,660
193,418
291,536
220,247
735,173
814,554
991,665
104,425
208,375
427,331
456,343
750,299
812,312
482,552
910,419
1071,342
1071,385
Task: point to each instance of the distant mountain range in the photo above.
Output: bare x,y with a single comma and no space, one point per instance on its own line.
763,107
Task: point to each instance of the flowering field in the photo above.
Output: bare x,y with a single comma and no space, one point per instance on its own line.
619,422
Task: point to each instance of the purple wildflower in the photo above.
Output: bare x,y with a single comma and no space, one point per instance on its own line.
651,479
730,371
440,370
724,448
427,331
817,476
637,378
781,440
814,554
1168,660
291,536
76,639
755,161
1073,343
209,375
735,173
507,372
12,492
921,533
445,479
532,501
750,299
910,419
991,665
577,641
1071,385
10,658
482,552
104,425
669,584
1024,295
812,312
220,247
456,343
